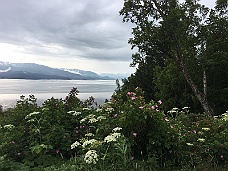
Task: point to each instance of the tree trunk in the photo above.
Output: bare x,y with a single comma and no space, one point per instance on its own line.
202,97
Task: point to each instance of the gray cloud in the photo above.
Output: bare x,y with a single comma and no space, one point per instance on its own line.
90,29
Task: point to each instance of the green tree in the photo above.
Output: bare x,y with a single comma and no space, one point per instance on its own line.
169,30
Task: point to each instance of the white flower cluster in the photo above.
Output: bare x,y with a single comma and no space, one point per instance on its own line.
190,144
75,144
31,114
9,126
89,142
109,109
185,108
112,137
74,113
31,120
89,135
91,157
206,129
92,120
86,108
116,129
98,110
99,118
174,110
201,139
45,109
225,116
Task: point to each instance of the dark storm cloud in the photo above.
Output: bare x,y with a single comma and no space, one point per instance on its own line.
66,28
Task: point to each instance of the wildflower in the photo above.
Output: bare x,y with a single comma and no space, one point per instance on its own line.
89,142
92,120
134,134
76,113
86,108
109,109
133,98
141,107
31,114
12,142
159,101
194,131
89,135
116,129
153,107
128,93
201,139
99,118
166,120
171,126
206,129
185,108
9,127
83,120
31,120
189,144
57,151
115,115
112,137
98,110
221,156
75,144
91,157
70,112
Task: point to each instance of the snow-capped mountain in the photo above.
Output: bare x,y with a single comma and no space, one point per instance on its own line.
36,71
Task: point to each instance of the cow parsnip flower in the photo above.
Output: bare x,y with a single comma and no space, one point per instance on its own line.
91,157
206,129
31,114
89,142
113,137
116,129
75,144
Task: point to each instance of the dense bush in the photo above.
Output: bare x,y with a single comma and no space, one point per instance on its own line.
124,133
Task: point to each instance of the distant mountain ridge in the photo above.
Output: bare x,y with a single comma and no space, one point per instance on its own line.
37,71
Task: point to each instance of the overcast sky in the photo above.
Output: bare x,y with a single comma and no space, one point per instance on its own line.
82,34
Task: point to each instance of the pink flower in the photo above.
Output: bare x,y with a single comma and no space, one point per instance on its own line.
18,154
170,151
153,107
128,93
171,126
160,102
194,131
133,98
141,107
12,142
115,115
134,134
222,156
57,151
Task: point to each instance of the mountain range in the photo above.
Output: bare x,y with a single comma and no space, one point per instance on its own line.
36,71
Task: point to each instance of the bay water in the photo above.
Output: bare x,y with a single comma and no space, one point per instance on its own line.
12,89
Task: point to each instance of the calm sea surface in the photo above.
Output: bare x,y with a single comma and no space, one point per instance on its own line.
11,90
